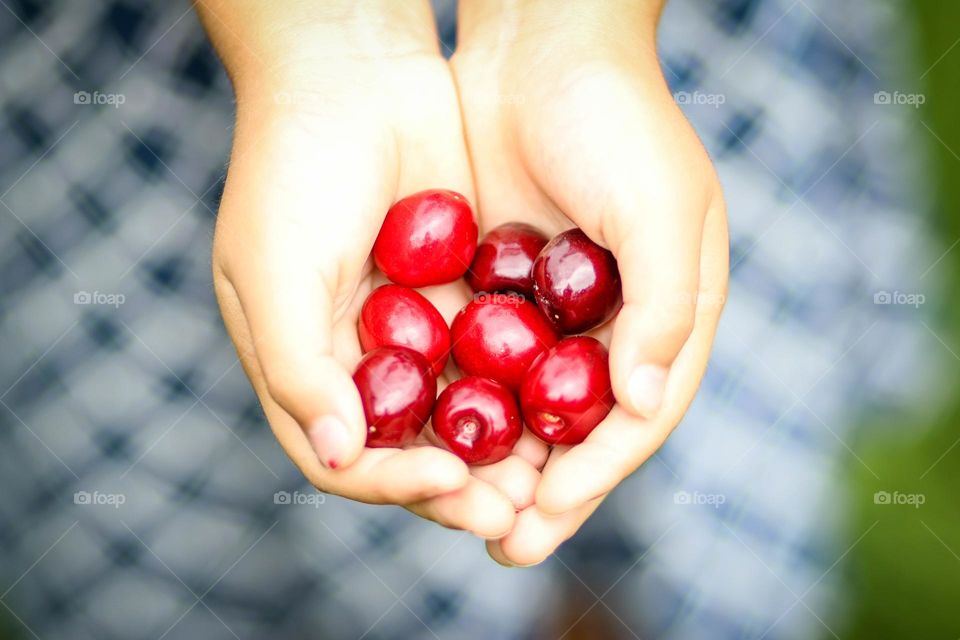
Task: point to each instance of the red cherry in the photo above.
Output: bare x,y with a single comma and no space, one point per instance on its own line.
397,389
398,316
427,238
567,391
504,259
576,282
478,420
499,336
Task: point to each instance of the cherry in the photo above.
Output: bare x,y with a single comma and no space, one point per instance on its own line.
499,337
478,420
398,316
567,391
397,389
504,259
576,282
427,238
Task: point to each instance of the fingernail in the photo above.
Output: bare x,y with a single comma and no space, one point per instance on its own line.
527,566
328,437
497,537
646,388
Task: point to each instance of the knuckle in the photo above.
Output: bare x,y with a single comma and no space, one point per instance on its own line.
282,385
676,325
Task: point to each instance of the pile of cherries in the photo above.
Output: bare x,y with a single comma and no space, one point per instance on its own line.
507,340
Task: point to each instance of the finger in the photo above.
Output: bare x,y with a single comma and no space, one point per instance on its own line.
659,262
477,507
514,477
623,442
395,476
289,208
535,536
532,449
379,476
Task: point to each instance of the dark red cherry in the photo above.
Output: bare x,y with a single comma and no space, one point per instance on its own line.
398,316
397,389
427,238
478,420
576,282
567,391
498,337
504,259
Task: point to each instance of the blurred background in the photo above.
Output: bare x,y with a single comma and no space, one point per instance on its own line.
809,493
905,575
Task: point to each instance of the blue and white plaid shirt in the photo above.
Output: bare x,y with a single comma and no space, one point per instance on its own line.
144,497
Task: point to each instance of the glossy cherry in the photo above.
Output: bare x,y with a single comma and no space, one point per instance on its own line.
397,389
567,391
504,259
499,337
427,238
576,282
398,316
478,420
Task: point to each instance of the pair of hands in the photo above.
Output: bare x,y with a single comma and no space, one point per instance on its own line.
554,114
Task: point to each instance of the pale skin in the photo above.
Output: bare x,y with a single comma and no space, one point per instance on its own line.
555,114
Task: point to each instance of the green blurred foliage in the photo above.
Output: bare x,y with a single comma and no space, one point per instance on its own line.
904,575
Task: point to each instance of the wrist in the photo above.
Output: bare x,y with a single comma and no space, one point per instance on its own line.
493,24
258,41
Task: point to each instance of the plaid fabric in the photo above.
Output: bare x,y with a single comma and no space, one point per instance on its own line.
141,484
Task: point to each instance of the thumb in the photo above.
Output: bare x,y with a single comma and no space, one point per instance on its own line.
291,335
291,208
659,262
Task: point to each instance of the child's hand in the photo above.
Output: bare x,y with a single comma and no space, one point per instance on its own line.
569,122
338,115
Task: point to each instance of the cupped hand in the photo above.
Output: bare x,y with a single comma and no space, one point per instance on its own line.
328,135
570,122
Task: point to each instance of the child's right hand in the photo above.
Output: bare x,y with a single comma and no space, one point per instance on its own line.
329,134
